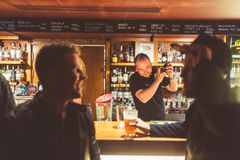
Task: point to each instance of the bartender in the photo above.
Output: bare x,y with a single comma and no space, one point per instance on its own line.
146,88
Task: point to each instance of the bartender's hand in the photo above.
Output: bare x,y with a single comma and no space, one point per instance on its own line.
169,70
159,76
142,125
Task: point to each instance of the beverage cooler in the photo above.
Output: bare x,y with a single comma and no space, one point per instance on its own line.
122,67
234,44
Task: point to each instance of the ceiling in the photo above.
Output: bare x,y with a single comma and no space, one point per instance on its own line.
122,9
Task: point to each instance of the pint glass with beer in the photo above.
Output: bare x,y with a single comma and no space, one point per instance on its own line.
130,116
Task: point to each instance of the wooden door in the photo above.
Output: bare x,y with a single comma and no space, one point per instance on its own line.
93,57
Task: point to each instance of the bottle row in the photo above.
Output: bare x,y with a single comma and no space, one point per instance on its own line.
172,56
14,73
126,52
121,95
123,54
167,53
120,76
177,104
14,52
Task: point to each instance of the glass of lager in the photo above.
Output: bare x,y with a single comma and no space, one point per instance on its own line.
130,115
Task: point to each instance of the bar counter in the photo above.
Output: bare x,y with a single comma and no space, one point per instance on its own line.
112,141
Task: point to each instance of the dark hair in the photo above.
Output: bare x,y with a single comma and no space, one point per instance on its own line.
140,56
221,53
52,58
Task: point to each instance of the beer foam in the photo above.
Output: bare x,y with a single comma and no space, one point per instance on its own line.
130,117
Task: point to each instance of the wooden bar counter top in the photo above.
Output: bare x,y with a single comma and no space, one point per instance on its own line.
112,141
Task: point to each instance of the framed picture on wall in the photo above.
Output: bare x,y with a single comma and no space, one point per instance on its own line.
146,48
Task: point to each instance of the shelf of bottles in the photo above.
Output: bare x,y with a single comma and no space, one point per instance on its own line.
14,56
122,67
176,104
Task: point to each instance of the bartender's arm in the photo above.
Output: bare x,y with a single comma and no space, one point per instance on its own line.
173,83
145,95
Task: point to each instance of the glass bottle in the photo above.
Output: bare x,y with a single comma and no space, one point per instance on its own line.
121,55
164,57
6,54
18,52
25,54
126,55
120,77
114,77
114,56
13,52
13,75
131,56
125,76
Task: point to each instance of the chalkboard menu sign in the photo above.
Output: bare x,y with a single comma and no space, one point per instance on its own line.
119,26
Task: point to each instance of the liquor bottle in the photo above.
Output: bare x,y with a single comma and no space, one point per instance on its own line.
126,54
25,54
114,55
126,95
3,71
18,52
114,93
131,57
120,95
169,56
159,55
179,57
18,73
6,54
13,75
125,76
114,77
174,59
183,57
13,52
120,77
114,58
120,54
179,76
164,57
8,73
23,76
114,104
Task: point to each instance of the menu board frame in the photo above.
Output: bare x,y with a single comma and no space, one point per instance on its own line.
220,27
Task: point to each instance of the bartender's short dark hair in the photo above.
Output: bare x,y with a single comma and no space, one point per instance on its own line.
221,53
140,56
52,58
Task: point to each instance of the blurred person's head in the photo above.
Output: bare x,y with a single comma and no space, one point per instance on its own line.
143,65
221,53
60,70
205,47
195,55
